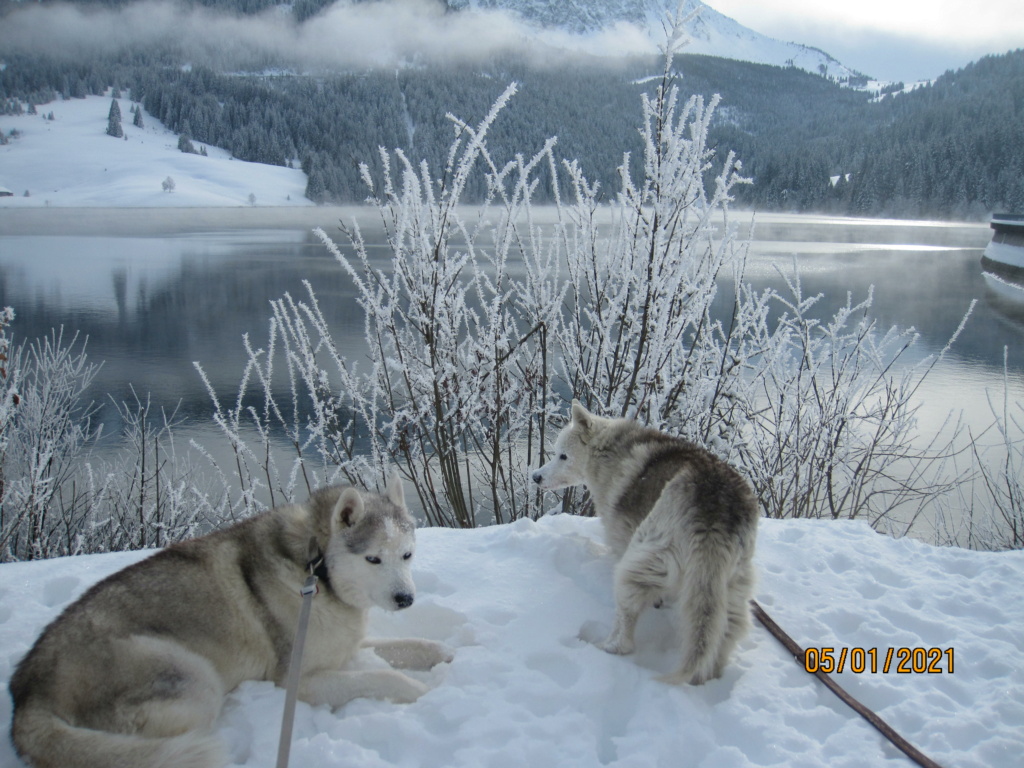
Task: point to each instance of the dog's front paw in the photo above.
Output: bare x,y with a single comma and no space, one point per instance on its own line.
677,678
690,677
620,646
432,653
405,690
412,654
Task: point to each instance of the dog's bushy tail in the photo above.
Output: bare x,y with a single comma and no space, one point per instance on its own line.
714,617
45,740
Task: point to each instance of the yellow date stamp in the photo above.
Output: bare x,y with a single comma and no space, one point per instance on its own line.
904,661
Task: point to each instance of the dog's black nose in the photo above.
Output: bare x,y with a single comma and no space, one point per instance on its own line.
537,478
403,599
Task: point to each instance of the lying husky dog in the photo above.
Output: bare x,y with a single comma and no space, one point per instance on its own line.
133,674
681,523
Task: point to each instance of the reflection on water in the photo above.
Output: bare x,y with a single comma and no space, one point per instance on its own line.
152,300
1005,295
151,305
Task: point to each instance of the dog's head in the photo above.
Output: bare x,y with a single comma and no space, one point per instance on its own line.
569,463
373,539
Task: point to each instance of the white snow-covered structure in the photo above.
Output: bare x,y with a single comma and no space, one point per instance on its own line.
1007,246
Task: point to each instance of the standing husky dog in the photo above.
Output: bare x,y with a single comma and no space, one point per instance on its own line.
133,674
681,523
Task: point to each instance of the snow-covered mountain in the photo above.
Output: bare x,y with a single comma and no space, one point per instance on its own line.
711,32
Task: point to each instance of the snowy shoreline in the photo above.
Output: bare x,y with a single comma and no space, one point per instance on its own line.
62,158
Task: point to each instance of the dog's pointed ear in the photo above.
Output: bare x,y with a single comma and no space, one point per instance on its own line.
348,510
582,419
393,489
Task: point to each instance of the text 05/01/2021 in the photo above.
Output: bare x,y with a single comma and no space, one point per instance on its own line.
873,660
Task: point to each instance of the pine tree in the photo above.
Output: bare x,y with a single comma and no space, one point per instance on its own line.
137,121
114,121
316,188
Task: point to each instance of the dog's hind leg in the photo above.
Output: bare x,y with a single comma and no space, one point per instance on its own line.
47,740
174,690
140,701
641,577
741,589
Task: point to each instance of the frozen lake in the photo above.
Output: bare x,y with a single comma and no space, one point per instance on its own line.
155,290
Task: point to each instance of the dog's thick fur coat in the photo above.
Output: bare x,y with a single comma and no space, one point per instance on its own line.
682,525
133,674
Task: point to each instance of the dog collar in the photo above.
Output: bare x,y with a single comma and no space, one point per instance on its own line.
318,567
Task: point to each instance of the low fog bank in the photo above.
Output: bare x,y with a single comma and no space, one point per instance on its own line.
379,34
141,222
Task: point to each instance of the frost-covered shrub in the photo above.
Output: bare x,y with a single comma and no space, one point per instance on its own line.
150,492
44,436
56,498
988,512
9,398
486,319
1004,478
830,419
456,391
283,446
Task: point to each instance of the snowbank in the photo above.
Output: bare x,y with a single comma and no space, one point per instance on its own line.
71,161
523,690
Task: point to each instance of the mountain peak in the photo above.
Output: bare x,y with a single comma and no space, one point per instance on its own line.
710,32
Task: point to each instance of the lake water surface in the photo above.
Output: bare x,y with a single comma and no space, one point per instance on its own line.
154,290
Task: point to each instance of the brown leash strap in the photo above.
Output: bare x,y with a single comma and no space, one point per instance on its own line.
884,728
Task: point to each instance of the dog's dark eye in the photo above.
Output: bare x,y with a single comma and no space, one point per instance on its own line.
562,457
373,559
407,555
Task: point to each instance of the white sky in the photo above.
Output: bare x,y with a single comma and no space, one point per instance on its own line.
891,39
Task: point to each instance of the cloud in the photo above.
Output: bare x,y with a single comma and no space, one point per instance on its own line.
891,56
993,25
344,35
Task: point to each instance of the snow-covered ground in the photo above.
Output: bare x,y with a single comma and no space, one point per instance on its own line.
878,85
71,161
523,690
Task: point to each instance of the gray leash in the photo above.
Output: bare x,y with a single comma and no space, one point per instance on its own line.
309,589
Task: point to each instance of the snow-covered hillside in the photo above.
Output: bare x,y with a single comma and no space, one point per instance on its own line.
71,161
711,32
387,33
524,690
